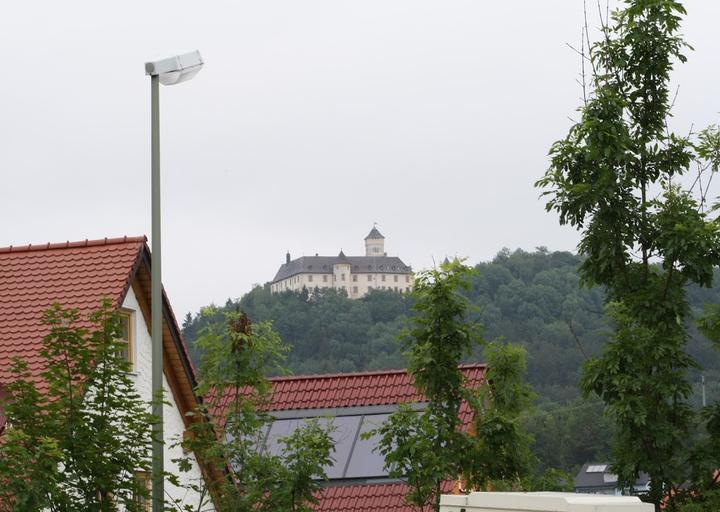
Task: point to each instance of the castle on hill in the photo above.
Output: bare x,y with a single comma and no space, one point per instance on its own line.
357,275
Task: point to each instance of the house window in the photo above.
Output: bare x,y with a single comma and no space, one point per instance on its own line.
396,277
355,289
144,480
126,336
355,278
369,277
383,278
310,279
324,279
342,277
407,279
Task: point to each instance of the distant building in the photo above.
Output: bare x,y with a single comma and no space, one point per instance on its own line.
357,275
596,478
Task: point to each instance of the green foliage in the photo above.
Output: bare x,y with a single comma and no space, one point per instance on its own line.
569,435
230,434
348,335
531,297
501,449
77,444
643,238
433,446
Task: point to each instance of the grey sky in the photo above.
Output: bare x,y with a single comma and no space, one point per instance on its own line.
312,120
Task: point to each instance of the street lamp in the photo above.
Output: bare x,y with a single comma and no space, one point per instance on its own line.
173,70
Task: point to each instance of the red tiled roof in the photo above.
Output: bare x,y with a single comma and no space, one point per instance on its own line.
74,274
353,389
389,497
356,390
364,498
386,387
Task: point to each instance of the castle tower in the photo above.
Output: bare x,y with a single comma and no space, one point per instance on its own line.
342,272
375,243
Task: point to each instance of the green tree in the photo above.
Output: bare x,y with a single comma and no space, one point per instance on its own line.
433,446
501,456
245,477
615,177
77,444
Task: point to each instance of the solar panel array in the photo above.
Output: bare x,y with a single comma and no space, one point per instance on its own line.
354,457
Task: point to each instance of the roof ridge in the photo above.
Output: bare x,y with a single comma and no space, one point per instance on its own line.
371,373
69,244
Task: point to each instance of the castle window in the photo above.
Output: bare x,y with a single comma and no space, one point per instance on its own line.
396,278
383,277
369,277
324,279
355,289
355,277
342,277
407,279
310,278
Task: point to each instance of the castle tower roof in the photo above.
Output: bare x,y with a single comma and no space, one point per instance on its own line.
374,234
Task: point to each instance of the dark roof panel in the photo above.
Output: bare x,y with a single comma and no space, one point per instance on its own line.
597,475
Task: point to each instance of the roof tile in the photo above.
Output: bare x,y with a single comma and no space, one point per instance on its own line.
75,274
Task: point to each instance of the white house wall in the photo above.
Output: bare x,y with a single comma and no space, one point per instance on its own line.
174,426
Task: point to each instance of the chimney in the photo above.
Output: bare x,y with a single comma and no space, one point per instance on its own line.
287,257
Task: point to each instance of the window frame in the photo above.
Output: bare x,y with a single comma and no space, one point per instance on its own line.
144,504
130,315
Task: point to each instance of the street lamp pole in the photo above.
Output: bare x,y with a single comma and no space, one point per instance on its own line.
168,72
158,467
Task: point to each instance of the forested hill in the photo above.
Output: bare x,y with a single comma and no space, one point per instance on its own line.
532,298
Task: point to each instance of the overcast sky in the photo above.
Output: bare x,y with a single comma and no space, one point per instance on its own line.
311,120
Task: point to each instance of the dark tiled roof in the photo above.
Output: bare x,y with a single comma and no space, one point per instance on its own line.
602,479
324,264
75,274
374,234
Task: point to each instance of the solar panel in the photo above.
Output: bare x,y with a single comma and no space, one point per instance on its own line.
596,468
344,435
279,428
365,461
353,457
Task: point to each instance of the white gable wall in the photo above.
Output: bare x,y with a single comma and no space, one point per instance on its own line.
174,426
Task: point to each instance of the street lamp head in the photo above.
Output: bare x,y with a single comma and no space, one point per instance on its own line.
174,70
